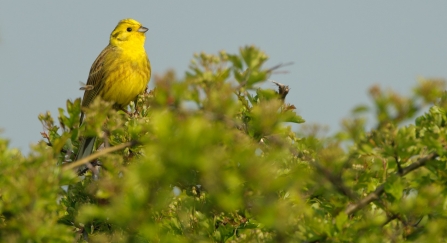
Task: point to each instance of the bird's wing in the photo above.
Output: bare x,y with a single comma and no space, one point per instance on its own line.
95,77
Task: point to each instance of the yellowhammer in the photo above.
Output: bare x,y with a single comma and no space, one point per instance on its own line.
120,72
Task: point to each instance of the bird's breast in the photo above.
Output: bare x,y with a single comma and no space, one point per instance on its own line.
128,79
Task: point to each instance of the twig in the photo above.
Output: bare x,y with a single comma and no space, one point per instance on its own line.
279,66
336,181
49,143
283,89
380,190
389,219
97,155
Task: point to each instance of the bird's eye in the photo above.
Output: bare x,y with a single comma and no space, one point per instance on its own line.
129,29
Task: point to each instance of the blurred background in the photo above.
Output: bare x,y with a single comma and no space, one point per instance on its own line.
339,49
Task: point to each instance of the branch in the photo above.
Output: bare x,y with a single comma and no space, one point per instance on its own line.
97,155
380,190
336,181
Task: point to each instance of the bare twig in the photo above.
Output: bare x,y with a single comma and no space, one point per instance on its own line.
97,155
283,89
279,66
336,181
49,143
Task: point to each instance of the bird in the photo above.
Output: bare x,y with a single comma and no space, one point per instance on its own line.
119,74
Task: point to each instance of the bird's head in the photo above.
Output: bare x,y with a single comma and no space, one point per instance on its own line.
128,31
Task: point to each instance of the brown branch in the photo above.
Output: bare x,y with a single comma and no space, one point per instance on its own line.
336,181
381,189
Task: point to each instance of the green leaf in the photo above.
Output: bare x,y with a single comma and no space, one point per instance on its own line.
340,220
394,187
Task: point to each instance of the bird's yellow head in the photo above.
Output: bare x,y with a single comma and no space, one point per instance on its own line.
128,31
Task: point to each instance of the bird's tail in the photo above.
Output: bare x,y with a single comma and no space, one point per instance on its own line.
85,149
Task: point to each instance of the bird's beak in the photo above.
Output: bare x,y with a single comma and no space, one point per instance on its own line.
143,29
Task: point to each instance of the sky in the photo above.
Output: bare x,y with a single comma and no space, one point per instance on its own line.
339,49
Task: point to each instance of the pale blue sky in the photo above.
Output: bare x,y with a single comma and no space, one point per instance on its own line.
340,48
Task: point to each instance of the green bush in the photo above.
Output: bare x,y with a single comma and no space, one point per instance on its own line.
211,158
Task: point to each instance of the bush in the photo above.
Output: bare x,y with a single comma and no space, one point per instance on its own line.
211,158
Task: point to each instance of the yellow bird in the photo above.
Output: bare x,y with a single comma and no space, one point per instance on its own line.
120,72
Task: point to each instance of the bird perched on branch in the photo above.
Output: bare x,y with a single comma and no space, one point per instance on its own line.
119,74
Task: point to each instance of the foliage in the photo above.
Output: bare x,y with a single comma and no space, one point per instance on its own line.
213,160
